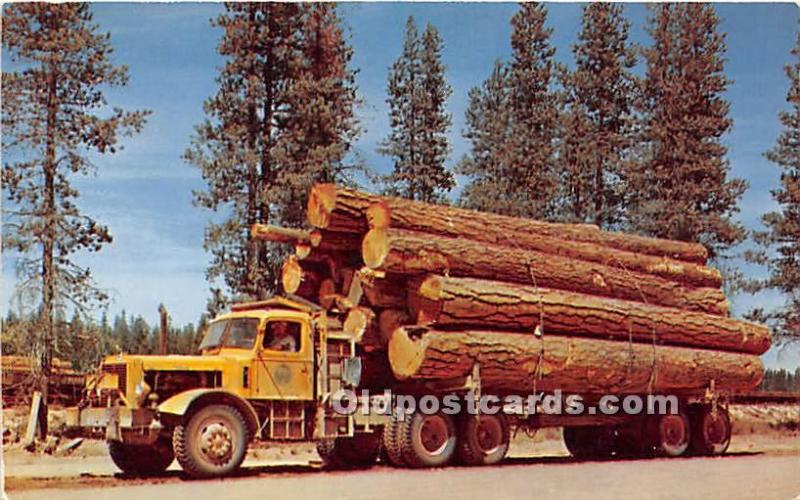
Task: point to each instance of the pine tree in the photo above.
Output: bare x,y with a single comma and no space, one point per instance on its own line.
418,93
321,124
780,243
520,178
488,129
681,188
54,115
598,126
282,119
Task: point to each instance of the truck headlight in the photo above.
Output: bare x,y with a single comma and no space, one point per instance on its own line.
140,392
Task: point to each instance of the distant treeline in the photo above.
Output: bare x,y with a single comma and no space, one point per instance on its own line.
781,380
85,343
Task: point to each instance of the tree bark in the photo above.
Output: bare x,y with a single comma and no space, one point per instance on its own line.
348,210
332,241
407,252
479,303
278,234
516,231
388,292
339,209
520,362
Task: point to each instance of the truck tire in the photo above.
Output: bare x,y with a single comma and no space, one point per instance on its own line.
668,435
428,440
711,431
326,449
359,451
212,443
483,439
586,443
142,460
392,445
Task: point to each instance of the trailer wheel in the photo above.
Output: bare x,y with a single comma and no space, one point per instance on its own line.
142,460
711,431
392,444
212,443
428,440
584,442
483,439
668,435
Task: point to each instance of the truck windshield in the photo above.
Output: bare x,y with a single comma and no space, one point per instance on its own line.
237,332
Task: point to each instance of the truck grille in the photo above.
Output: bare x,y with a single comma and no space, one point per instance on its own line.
122,375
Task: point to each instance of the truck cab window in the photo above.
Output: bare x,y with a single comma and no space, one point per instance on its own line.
282,336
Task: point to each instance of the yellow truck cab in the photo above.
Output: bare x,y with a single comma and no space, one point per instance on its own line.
266,370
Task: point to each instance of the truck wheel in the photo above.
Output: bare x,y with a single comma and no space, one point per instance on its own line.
483,439
212,443
580,442
326,449
142,460
428,440
392,442
584,442
668,435
711,431
361,450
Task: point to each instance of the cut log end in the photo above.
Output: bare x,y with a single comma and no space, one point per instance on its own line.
379,215
302,250
291,275
374,248
405,353
315,238
321,202
431,288
357,322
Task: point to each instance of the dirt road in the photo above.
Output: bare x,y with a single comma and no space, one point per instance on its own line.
745,475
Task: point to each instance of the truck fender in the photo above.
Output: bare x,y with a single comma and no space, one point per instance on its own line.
184,404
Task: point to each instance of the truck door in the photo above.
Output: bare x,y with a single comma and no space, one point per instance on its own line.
283,366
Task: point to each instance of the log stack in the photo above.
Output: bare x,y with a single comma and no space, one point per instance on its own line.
438,289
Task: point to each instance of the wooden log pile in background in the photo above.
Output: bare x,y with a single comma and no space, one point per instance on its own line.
440,288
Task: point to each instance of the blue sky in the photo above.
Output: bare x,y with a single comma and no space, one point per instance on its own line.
144,193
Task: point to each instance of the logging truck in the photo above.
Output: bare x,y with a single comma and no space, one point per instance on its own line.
434,302
249,384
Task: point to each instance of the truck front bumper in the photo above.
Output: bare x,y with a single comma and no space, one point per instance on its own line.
129,425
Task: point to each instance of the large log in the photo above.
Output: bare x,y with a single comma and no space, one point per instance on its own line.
303,280
341,209
451,221
332,241
407,252
469,302
520,362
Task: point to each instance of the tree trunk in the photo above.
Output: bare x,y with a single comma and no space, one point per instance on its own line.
468,302
277,234
332,241
407,252
339,209
349,210
520,362
505,230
